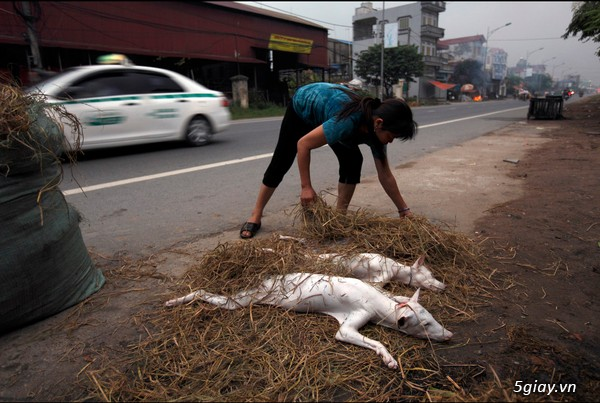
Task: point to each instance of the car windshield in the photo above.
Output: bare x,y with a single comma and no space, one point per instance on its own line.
54,77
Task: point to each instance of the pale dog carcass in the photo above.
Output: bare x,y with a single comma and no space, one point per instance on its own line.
351,301
376,268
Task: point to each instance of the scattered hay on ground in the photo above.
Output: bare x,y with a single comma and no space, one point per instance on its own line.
261,353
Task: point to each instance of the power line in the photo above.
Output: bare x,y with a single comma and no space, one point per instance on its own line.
527,39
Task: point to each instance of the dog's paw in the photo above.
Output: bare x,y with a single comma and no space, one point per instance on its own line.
393,364
389,360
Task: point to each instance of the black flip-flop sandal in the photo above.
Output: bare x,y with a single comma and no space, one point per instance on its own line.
250,227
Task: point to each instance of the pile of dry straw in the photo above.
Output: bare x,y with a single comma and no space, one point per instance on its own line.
20,111
203,353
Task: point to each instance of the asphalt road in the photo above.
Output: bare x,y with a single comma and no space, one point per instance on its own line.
137,200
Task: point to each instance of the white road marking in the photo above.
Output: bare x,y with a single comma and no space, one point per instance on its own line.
122,182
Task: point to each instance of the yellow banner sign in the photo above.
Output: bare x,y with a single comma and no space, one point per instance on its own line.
290,44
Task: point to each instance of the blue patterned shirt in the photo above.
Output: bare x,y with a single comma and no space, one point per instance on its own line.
319,103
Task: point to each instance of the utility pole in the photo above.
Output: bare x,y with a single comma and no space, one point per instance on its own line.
382,32
529,53
539,73
485,54
487,38
30,19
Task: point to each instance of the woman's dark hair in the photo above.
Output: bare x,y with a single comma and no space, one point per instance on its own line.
396,114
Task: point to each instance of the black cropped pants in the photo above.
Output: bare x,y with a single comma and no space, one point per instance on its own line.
293,128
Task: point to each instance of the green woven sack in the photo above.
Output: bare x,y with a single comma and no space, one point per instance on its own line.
45,267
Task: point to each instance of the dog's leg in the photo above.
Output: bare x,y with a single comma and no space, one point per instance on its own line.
334,256
185,299
348,333
292,238
240,300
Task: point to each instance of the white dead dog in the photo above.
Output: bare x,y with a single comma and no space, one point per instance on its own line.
351,301
376,268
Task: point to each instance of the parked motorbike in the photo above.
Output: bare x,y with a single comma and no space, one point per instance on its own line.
568,94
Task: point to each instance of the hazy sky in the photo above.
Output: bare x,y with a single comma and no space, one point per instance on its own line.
534,25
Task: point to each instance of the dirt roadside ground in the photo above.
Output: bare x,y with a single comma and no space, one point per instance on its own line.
530,193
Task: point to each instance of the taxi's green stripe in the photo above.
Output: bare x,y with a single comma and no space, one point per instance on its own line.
95,100
136,98
183,96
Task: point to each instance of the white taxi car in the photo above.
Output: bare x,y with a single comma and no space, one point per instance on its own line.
121,105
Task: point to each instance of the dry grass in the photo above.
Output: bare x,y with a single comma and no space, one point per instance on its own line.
32,136
14,111
200,352
22,124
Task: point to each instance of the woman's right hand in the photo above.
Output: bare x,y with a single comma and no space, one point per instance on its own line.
307,196
314,139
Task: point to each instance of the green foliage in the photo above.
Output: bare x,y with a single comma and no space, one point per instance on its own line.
585,21
539,83
257,100
294,81
512,82
401,62
265,110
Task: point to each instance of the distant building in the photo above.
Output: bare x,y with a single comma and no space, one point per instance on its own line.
461,49
411,24
493,61
208,41
339,55
524,70
520,69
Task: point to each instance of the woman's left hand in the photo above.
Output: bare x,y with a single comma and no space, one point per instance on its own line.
405,213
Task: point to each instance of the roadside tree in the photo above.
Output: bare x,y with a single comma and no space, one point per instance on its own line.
585,21
513,83
469,72
538,83
401,62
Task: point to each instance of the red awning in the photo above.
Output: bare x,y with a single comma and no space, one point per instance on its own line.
442,86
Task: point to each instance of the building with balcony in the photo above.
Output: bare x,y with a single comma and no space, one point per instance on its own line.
410,24
460,49
457,50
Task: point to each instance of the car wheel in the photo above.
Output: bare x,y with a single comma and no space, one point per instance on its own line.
198,132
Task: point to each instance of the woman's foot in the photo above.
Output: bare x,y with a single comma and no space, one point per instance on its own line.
249,229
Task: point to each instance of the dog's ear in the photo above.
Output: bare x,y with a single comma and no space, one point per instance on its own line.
419,262
415,297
